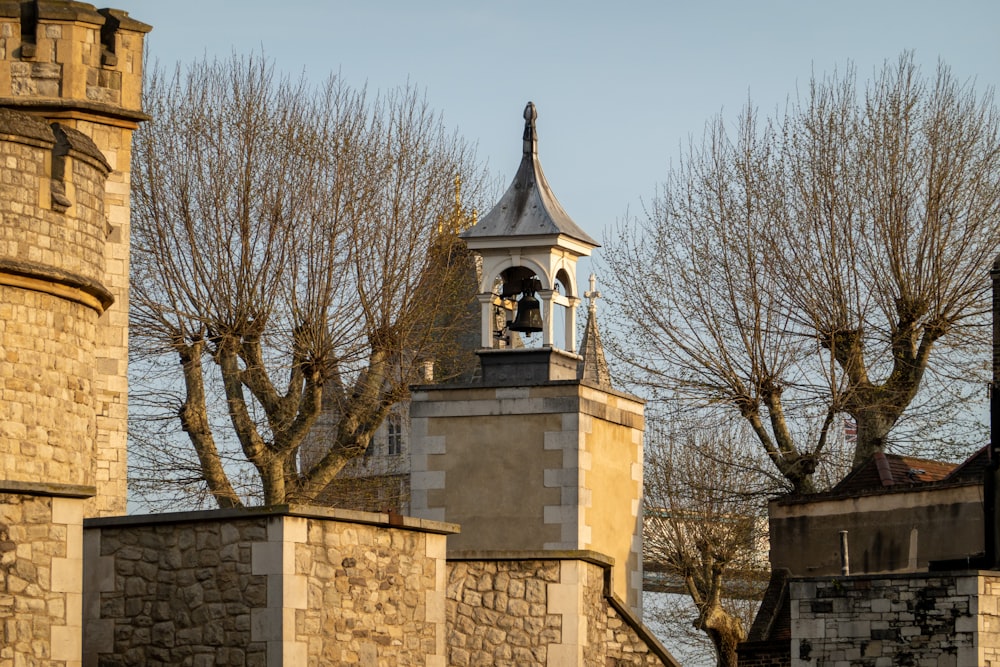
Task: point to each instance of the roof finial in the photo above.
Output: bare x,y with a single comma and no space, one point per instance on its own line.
593,294
530,134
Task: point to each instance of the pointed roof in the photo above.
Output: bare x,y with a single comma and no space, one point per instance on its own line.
594,366
528,208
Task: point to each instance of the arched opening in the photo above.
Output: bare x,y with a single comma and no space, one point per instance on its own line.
517,313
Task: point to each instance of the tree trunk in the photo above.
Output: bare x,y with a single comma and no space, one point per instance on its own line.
725,631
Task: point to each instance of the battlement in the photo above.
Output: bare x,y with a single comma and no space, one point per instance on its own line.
67,58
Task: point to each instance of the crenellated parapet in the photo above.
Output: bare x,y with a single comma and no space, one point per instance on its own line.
70,56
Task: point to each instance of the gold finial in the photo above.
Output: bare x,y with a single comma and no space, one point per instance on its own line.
460,219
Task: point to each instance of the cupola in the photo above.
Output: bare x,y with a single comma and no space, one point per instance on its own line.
529,247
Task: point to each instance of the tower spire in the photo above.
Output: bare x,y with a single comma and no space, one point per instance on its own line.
593,366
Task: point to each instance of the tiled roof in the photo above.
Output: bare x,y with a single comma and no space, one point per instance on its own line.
890,470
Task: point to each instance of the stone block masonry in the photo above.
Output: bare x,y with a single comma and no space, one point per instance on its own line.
309,586
938,618
552,609
41,556
283,587
67,63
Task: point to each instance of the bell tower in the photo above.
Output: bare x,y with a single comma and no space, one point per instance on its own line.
528,291
541,457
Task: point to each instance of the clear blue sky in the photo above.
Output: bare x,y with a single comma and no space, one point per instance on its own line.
618,86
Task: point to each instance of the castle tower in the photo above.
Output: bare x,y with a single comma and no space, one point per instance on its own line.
69,99
65,62
541,456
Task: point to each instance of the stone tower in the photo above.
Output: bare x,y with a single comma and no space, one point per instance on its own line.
65,62
539,457
70,80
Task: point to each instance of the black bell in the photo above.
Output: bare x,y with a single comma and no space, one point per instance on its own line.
529,315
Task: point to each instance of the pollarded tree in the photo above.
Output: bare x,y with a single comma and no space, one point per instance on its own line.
820,264
283,236
705,530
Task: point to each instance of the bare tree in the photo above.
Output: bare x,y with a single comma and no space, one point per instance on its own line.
706,531
283,236
820,264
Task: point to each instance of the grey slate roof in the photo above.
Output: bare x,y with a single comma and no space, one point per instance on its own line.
528,208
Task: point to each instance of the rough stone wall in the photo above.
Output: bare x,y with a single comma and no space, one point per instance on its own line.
497,612
173,594
47,322
41,556
612,638
375,596
920,619
541,611
248,589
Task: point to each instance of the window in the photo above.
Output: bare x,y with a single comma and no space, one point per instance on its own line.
394,434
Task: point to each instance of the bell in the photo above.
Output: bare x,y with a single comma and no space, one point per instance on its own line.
529,315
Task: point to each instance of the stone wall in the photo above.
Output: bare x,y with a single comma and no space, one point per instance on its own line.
553,609
51,295
41,557
52,264
942,619
315,586
293,586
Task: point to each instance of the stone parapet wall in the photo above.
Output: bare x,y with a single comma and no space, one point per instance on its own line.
375,595
293,586
552,609
498,612
943,619
70,51
41,557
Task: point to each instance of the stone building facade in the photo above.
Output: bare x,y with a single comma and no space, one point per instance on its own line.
65,62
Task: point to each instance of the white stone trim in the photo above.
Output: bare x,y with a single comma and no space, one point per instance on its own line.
566,599
287,590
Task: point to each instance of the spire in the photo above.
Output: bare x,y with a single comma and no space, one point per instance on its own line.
593,367
528,208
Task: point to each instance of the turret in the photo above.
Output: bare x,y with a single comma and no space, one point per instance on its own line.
67,62
70,80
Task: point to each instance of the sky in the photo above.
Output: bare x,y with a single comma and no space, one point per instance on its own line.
619,87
